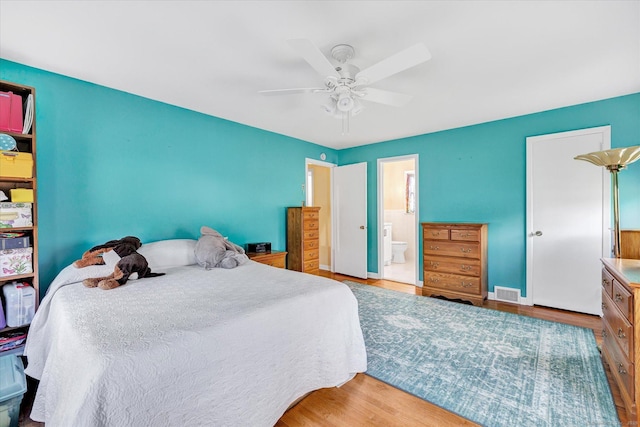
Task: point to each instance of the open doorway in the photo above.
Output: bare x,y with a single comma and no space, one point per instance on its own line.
397,218
318,193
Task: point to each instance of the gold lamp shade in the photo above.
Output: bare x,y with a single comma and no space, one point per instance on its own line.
614,160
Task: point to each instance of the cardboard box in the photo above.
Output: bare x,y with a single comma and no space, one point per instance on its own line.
14,215
15,164
16,261
21,195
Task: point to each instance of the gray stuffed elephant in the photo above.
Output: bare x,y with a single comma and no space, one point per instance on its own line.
214,251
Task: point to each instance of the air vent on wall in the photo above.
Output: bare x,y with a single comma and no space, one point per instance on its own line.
506,294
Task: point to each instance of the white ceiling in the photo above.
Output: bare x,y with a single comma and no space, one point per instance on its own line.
490,59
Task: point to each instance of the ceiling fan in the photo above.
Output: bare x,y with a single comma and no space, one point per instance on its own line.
346,84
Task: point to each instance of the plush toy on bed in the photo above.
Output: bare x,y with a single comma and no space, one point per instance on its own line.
122,254
214,251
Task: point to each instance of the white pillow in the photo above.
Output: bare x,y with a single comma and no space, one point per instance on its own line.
169,253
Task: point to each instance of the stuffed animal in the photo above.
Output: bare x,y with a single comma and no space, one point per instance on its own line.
123,247
214,251
129,262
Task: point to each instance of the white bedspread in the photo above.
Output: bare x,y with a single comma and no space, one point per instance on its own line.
193,348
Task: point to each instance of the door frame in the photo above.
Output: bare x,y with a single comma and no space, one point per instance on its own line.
380,209
307,162
606,198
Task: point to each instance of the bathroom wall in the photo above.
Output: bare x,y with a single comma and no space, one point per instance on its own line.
404,224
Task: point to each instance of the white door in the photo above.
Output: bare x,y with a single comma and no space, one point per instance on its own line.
350,213
567,220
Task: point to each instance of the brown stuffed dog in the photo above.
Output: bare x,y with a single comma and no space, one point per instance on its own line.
123,247
130,262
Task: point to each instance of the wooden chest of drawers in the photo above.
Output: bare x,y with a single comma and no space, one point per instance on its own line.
273,258
455,261
303,239
621,336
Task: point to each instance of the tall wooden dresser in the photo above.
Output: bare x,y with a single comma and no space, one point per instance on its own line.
455,261
303,239
621,327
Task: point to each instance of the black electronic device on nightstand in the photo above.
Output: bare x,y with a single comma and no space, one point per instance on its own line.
259,248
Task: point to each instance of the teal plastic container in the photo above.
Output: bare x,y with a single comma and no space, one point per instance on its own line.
13,385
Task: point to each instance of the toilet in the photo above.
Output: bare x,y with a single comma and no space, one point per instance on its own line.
397,250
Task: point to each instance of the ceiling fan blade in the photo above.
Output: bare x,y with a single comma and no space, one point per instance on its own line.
291,91
314,57
410,57
386,97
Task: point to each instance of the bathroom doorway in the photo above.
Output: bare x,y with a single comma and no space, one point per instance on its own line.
398,219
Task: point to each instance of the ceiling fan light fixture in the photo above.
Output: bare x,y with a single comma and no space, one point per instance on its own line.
329,107
345,102
357,107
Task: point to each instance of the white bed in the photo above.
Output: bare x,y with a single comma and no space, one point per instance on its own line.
195,347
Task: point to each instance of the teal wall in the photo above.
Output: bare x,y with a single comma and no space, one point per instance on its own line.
112,164
478,174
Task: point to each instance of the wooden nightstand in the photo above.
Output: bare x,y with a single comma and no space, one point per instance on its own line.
273,258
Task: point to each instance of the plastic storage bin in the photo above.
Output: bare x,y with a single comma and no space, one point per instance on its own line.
20,303
13,385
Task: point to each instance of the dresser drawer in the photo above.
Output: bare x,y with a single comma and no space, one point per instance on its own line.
623,300
457,249
465,235
310,214
311,266
621,367
469,285
310,224
618,326
310,244
433,233
310,254
607,282
310,234
469,267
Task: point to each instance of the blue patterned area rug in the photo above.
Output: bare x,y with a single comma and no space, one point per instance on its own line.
494,368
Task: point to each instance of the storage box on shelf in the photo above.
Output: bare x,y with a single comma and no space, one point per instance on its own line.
13,386
18,214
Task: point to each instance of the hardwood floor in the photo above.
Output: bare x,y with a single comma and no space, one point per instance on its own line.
365,401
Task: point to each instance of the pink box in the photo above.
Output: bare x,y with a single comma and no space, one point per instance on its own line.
11,112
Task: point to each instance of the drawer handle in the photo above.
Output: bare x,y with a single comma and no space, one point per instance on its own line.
604,306
465,267
434,279
465,234
618,298
434,264
621,333
604,333
605,282
435,233
621,369
467,285
435,248
466,251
